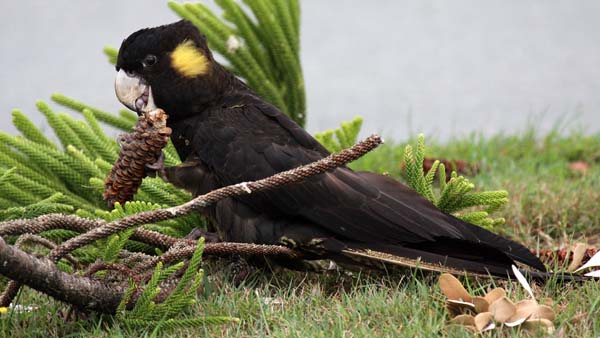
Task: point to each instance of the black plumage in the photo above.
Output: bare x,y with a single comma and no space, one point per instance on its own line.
226,134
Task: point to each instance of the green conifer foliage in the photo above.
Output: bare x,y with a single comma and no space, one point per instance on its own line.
455,195
341,137
165,315
42,177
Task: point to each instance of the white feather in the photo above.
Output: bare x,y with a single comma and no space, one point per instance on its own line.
523,281
593,274
233,44
594,261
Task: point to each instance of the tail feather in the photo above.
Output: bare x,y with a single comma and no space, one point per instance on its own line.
471,234
385,255
509,247
415,258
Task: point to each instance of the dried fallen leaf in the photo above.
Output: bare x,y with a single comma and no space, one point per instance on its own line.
578,254
516,322
544,312
481,304
563,256
502,309
524,310
453,288
463,320
494,295
451,328
529,309
579,166
484,321
457,307
495,308
536,325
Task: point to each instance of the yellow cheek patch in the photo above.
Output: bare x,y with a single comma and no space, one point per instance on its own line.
188,60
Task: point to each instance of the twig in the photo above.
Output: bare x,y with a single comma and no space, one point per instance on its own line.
78,224
48,244
102,266
221,249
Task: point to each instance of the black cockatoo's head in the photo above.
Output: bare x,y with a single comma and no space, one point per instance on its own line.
168,67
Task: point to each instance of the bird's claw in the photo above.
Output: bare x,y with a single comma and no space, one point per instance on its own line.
157,168
209,237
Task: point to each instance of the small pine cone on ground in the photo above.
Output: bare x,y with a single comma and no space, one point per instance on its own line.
562,257
140,148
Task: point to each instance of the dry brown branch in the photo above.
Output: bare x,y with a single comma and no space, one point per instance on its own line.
222,250
129,258
48,244
12,288
43,275
71,222
102,266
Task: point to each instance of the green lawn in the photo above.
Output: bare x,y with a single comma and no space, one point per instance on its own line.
550,206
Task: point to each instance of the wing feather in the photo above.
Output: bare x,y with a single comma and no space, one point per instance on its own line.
259,141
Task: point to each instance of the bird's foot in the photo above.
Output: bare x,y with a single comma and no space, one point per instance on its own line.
240,269
209,237
157,169
290,243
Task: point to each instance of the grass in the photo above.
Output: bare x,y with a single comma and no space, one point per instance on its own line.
550,205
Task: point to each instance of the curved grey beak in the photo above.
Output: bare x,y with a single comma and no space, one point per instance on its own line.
134,92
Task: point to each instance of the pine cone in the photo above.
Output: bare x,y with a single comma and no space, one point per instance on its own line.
140,148
562,257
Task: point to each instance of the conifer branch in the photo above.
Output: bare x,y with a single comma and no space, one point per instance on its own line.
29,130
108,118
456,194
108,148
342,137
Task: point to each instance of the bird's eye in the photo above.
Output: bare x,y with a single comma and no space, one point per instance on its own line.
149,60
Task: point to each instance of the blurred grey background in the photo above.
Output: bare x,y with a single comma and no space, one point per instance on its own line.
444,68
